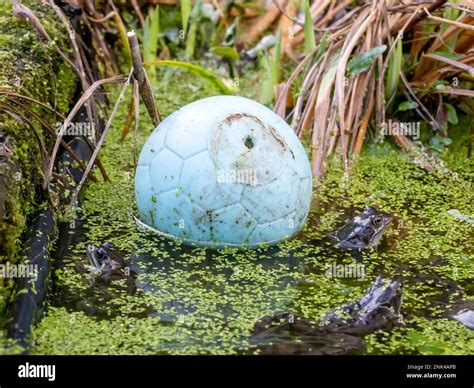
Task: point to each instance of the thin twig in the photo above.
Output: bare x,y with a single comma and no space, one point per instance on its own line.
433,122
128,121
301,24
462,9
110,15
447,21
90,107
280,104
340,78
51,130
91,162
72,113
11,93
456,91
140,75
136,91
451,62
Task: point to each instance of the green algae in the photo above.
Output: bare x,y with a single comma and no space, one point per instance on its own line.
197,301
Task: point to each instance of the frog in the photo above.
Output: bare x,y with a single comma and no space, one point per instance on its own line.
363,231
106,263
340,331
378,309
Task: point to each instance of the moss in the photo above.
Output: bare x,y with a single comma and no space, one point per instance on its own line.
30,67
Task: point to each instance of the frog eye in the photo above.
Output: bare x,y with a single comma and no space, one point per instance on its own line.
100,253
377,221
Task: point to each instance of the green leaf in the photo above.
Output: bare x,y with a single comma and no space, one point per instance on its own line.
185,13
309,39
364,61
393,73
439,142
449,54
442,84
150,36
206,74
407,105
276,61
452,115
226,52
193,27
266,94
450,14
323,44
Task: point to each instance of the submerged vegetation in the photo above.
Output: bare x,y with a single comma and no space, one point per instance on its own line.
380,94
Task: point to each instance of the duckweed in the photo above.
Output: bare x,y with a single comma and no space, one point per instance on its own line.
196,301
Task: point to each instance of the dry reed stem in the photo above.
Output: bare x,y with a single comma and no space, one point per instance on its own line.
447,21
365,18
280,104
72,113
140,75
103,135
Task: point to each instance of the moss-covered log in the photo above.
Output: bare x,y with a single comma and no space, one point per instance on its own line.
32,67
29,66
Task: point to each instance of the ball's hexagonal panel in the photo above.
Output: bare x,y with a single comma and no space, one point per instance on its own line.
202,183
155,142
191,128
224,171
274,200
247,106
165,171
275,230
291,138
179,217
271,120
144,194
232,224
242,143
298,164
305,197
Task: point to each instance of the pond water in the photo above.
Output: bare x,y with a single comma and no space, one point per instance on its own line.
201,301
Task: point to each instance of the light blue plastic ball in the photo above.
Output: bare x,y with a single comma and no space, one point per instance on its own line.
224,171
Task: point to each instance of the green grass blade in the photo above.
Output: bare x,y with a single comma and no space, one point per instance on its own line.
322,46
150,37
266,93
276,61
309,39
185,13
393,73
364,61
206,74
450,14
191,37
452,115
